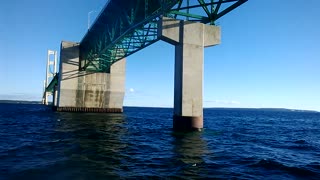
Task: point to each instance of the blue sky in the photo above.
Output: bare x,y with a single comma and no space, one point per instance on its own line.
269,55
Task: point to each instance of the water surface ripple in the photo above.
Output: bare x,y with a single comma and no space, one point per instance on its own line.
37,143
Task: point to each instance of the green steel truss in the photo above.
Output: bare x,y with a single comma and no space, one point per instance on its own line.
53,83
125,27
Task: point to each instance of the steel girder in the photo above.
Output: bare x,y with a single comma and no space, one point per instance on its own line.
203,11
125,27
53,83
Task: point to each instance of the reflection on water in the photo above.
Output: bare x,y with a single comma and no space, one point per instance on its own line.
190,147
190,150
95,142
107,146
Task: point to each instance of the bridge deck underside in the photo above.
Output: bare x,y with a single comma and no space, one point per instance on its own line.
125,27
52,84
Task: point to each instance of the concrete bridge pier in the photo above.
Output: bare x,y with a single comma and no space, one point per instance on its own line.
55,96
81,91
189,39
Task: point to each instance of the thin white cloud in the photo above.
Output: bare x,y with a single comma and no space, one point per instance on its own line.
21,96
131,91
224,102
137,98
235,102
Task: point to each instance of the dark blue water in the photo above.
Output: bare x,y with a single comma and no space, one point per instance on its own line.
37,143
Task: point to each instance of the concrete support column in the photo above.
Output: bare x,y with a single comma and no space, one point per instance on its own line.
117,84
55,96
45,98
189,39
82,91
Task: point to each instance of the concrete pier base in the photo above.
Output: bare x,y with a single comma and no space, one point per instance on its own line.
80,91
186,123
85,109
189,39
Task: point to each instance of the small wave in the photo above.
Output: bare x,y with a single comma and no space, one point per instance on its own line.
274,165
22,147
308,148
304,147
300,141
315,165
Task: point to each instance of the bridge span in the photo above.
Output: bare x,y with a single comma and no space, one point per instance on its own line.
91,74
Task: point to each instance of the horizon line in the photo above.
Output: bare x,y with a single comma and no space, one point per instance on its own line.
137,106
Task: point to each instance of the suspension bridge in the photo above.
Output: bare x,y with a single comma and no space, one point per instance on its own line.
91,75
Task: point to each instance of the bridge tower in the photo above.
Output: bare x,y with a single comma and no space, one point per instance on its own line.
51,71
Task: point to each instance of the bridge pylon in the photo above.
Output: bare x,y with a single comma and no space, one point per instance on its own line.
87,91
189,39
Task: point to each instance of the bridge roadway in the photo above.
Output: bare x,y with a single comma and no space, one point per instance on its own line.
91,77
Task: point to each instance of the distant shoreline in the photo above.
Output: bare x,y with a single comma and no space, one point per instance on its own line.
20,102
244,109
217,108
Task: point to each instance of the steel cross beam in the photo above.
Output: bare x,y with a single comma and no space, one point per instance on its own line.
125,27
